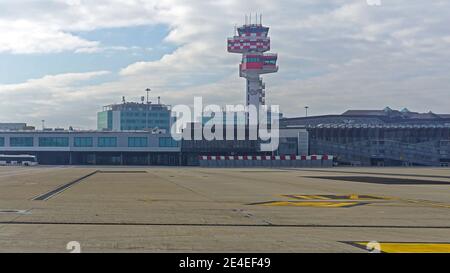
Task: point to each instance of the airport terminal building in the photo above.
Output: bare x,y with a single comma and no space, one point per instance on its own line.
357,137
135,147
93,147
379,137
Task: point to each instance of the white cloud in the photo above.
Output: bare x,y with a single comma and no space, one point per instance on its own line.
25,37
55,98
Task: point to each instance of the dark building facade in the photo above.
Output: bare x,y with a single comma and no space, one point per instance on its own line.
383,145
293,141
379,137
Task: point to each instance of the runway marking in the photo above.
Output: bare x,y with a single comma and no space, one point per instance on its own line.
14,211
314,204
58,190
50,194
324,201
407,247
364,197
336,197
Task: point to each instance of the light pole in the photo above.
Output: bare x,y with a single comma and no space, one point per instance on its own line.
148,91
147,112
306,111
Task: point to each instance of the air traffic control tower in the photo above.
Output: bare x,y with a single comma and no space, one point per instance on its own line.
252,41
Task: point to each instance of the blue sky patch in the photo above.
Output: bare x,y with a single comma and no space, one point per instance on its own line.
119,47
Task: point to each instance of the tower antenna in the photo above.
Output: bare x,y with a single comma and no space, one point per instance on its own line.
260,19
250,18
256,15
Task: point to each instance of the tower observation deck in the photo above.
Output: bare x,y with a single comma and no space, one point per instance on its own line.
252,41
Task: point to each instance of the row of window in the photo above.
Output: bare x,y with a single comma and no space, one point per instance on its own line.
252,60
152,114
258,60
270,61
167,142
85,142
137,128
158,121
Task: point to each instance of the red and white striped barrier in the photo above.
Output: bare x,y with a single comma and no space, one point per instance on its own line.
245,161
265,157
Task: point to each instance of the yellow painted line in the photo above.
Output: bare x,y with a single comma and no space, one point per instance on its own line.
353,197
319,197
298,196
350,197
365,197
411,247
318,204
304,196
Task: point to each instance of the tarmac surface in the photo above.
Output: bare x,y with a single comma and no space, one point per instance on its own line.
134,209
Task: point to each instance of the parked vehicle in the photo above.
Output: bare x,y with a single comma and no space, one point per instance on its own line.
24,160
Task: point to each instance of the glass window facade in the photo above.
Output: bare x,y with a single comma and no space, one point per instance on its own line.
252,60
137,142
104,120
53,142
107,142
21,142
2,141
141,117
270,61
83,142
167,142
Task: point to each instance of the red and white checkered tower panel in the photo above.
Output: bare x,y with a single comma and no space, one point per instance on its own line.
251,40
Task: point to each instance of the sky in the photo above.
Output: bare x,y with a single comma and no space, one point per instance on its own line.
62,60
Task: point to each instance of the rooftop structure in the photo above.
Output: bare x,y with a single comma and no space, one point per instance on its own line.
131,116
14,126
385,116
